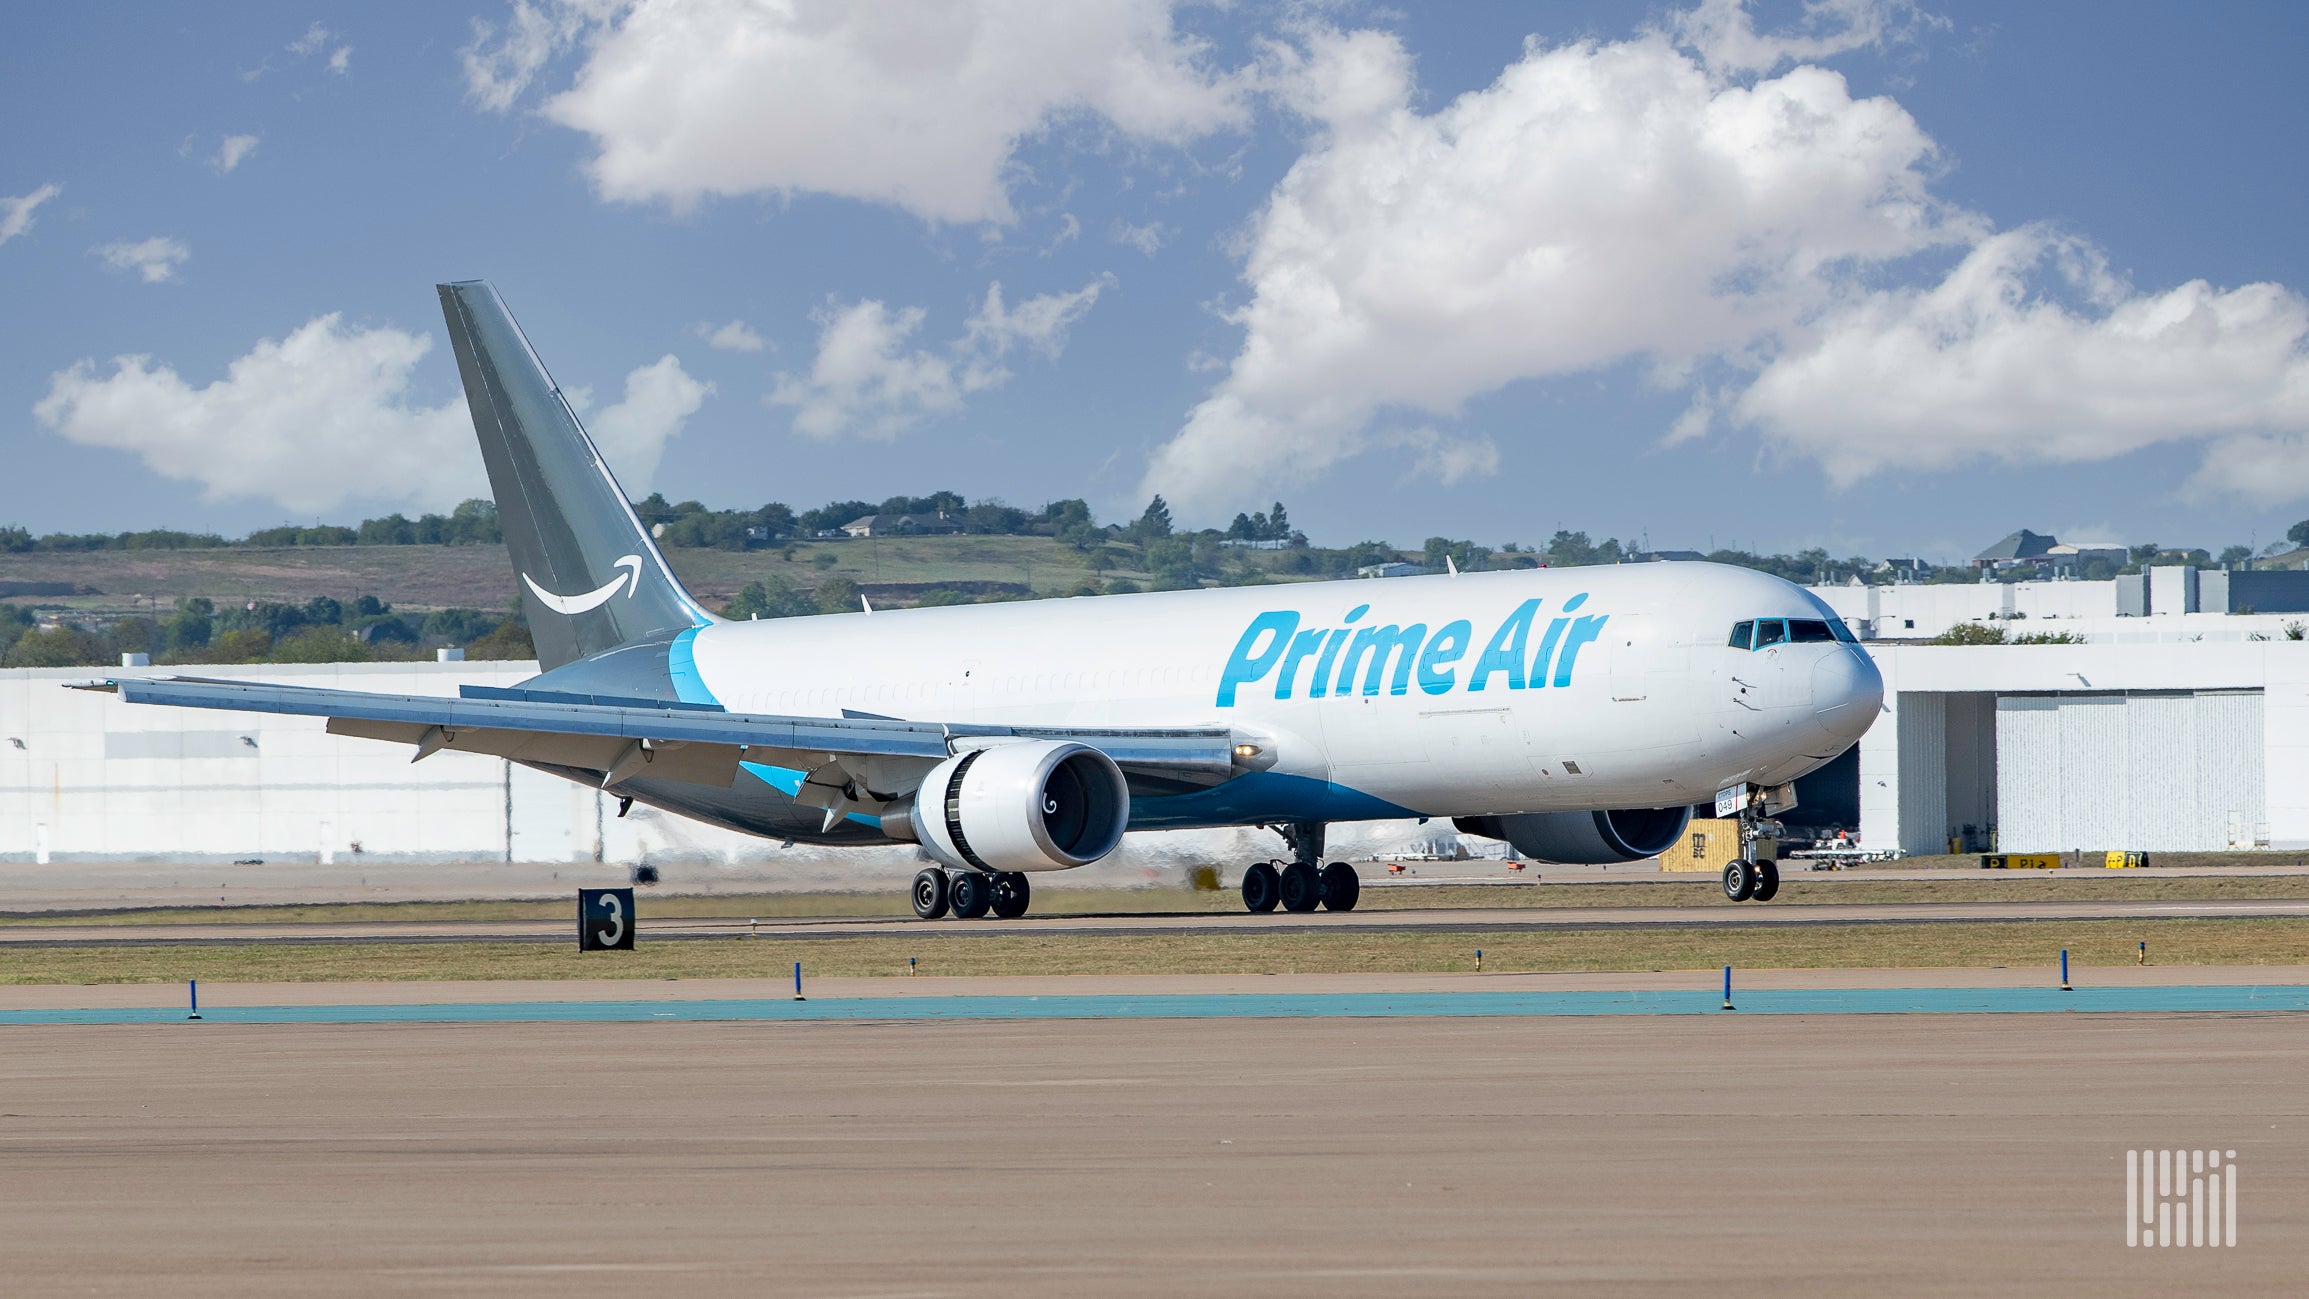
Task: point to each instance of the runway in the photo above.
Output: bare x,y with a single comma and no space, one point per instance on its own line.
1490,920
1724,1154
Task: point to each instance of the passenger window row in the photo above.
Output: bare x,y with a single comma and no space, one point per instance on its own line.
1764,633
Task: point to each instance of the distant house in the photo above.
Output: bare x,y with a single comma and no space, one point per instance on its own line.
2073,559
1395,568
1906,570
907,525
2022,547
2298,558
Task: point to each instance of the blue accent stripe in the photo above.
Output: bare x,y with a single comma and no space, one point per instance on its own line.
1349,1005
681,665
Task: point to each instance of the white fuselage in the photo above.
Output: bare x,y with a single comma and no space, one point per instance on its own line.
1524,691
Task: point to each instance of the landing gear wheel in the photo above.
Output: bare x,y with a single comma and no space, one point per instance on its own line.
1302,887
1739,882
971,894
1011,895
1767,881
1261,889
930,894
1341,887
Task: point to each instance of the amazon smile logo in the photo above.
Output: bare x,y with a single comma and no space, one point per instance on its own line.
595,598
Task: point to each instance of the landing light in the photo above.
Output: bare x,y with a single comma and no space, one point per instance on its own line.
1246,750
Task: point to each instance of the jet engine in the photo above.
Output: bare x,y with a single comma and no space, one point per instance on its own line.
1585,838
1037,805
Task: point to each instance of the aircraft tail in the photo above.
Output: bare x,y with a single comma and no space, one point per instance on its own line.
591,578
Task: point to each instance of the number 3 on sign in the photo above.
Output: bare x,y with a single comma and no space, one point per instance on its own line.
605,920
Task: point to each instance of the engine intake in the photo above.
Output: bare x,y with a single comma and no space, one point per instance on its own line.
1585,838
1038,805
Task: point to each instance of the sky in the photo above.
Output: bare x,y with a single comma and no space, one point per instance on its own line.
1879,277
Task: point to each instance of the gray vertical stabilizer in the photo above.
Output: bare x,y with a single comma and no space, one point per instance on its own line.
591,579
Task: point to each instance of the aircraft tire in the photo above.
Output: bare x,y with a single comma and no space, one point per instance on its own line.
1261,889
1011,895
1767,881
1740,881
971,894
930,895
1342,887
1302,887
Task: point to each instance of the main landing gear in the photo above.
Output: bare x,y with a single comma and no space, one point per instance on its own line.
970,894
1301,885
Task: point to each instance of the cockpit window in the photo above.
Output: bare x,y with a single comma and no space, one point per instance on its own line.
1805,631
1843,632
1742,634
1771,631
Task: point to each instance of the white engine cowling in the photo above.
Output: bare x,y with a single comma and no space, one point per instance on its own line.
1036,805
1585,838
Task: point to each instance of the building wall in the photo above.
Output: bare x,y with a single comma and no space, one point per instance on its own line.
2150,746
84,776
2165,604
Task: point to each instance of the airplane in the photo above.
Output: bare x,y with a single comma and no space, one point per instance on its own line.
1576,713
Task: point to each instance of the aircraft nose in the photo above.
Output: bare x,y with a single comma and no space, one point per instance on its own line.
1846,692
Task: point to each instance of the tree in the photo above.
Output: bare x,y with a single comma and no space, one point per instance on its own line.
509,643
837,595
2298,534
992,517
772,597
1155,523
833,515
187,631
57,647
2235,555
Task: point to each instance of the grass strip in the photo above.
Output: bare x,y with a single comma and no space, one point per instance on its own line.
2242,941
1650,891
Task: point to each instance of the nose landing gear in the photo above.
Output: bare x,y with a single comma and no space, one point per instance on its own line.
1754,877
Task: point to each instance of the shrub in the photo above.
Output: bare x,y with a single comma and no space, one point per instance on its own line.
1969,633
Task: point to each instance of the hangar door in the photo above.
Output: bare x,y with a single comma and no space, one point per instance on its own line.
2170,770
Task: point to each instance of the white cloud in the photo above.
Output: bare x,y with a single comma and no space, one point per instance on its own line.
156,259
1753,240
870,381
1723,34
309,421
311,42
917,106
1596,202
231,152
1989,364
341,61
1148,238
16,213
659,399
327,415
732,337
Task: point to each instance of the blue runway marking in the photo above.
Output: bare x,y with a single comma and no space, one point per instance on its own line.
1344,1005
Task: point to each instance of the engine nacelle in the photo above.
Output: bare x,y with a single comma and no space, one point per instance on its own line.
1036,805
1585,838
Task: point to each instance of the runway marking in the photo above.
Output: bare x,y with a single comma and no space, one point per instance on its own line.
2228,999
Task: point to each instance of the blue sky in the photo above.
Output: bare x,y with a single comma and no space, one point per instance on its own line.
1877,277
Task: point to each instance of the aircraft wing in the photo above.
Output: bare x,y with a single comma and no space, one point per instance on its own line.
700,743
